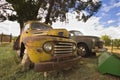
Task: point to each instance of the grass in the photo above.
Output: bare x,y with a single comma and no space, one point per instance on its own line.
10,69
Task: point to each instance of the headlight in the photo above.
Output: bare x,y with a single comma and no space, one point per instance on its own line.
74,47
47,47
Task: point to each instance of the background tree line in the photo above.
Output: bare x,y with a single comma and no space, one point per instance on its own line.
111,42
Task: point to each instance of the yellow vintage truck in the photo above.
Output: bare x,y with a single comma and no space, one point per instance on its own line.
47,48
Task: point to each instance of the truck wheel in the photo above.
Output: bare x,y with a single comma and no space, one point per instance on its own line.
25,62
83,50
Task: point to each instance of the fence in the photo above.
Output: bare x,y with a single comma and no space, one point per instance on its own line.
5,38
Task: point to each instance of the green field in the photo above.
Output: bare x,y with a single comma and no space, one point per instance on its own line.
10,69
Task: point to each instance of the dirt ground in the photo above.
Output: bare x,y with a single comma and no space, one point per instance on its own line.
113,50
88,70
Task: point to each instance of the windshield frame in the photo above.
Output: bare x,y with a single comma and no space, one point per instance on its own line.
39,26
46,27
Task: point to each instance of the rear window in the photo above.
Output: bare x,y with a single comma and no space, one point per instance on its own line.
78,33
75,33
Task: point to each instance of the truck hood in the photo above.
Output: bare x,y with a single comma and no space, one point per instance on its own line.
88,38
91,37
51,32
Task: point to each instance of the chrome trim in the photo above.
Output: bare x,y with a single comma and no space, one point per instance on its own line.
63,48
60,52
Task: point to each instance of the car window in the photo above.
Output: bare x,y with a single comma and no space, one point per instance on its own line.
77,33
38,26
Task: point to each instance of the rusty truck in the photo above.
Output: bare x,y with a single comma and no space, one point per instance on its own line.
87,45
47,48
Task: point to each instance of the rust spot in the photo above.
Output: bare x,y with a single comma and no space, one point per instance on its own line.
56,65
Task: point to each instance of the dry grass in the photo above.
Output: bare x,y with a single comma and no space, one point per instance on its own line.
113,50
87,69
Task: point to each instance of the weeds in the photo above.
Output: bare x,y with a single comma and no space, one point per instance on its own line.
10,69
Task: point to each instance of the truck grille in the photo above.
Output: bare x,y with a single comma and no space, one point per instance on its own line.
63,48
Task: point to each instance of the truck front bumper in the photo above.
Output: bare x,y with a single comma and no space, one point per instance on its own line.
56,65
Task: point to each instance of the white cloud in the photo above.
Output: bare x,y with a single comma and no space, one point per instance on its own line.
106,8
118,14
110,21
112,5
117,4
9,27
84,0
113,32
91,27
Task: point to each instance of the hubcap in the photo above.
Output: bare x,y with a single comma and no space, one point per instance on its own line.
82,51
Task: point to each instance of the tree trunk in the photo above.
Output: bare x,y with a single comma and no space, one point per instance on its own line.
47,19
21,26
16,45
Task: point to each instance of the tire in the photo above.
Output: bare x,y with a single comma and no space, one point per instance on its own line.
82,50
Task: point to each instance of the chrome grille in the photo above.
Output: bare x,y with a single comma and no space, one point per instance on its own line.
63,48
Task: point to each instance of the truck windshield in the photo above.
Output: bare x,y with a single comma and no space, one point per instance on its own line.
39,26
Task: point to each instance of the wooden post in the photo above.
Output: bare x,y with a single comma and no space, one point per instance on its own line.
11,37
1,37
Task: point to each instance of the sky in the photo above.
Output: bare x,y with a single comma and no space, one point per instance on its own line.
105,22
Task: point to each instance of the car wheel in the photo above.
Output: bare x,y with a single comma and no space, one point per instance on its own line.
83,50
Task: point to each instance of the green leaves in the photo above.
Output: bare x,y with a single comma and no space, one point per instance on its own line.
109,42
106,39
116,43
48,10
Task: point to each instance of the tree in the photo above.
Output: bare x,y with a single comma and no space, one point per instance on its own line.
116,43
106,39
48,10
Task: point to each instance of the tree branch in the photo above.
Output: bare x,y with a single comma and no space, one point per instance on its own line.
8,9
47,19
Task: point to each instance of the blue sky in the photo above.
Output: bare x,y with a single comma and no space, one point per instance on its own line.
105,22
109,13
